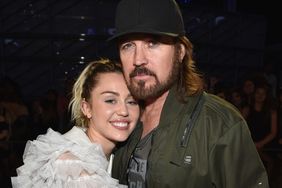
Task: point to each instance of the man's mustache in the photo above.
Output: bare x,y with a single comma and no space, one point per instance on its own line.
141,70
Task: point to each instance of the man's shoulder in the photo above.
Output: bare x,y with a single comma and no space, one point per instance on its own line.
220,108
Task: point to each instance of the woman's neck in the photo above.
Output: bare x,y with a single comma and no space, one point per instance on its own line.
258,106
106,144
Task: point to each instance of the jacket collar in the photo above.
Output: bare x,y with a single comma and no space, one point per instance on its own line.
172,107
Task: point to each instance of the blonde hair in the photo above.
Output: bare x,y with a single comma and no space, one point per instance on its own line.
85,83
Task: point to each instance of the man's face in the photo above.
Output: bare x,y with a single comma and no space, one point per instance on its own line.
150,64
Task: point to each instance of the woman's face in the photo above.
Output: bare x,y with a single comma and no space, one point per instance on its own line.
236,98
260,95
249,87
112,111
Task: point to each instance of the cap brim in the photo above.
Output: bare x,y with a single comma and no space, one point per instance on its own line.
153,32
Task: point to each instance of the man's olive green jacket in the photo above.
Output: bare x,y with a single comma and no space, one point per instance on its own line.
219,153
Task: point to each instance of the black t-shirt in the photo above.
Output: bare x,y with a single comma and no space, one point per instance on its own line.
138,164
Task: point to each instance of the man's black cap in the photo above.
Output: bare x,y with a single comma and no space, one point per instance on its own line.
159,17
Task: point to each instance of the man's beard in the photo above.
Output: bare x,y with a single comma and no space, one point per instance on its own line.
139,89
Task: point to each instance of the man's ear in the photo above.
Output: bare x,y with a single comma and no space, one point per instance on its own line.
86,109
182,52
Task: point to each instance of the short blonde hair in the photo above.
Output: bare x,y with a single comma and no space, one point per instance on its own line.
85,83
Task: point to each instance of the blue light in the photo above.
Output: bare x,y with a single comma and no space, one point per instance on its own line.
185,1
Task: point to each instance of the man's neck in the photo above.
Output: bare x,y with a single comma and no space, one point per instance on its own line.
152,113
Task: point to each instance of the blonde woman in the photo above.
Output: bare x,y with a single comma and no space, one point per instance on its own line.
104,113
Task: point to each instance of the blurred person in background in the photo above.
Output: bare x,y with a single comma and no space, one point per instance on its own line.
261,116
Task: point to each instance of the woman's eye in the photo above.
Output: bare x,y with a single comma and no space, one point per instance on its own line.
132,102
110,101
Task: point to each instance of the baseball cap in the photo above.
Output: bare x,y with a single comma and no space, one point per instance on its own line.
158,17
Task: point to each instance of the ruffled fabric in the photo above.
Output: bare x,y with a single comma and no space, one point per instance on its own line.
44,168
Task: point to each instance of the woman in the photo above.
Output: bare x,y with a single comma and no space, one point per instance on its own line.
261,116
104,113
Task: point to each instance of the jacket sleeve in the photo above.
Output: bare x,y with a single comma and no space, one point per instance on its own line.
235,162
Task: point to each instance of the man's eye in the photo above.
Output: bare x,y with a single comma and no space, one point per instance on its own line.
152,43
126,46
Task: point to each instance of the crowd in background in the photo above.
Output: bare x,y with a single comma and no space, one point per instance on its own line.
258,98
22,120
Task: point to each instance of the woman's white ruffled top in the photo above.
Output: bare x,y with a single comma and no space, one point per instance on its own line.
64,161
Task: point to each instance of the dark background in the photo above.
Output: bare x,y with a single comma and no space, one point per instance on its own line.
43,43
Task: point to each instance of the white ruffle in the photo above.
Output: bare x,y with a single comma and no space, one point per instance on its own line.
43,169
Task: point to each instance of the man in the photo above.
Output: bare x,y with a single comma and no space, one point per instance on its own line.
186,137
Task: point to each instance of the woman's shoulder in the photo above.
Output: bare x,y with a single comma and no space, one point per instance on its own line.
54,158
43,150
56,146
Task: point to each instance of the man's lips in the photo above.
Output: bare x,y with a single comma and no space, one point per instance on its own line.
141,76
140,72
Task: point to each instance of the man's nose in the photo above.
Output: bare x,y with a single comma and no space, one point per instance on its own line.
140,56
